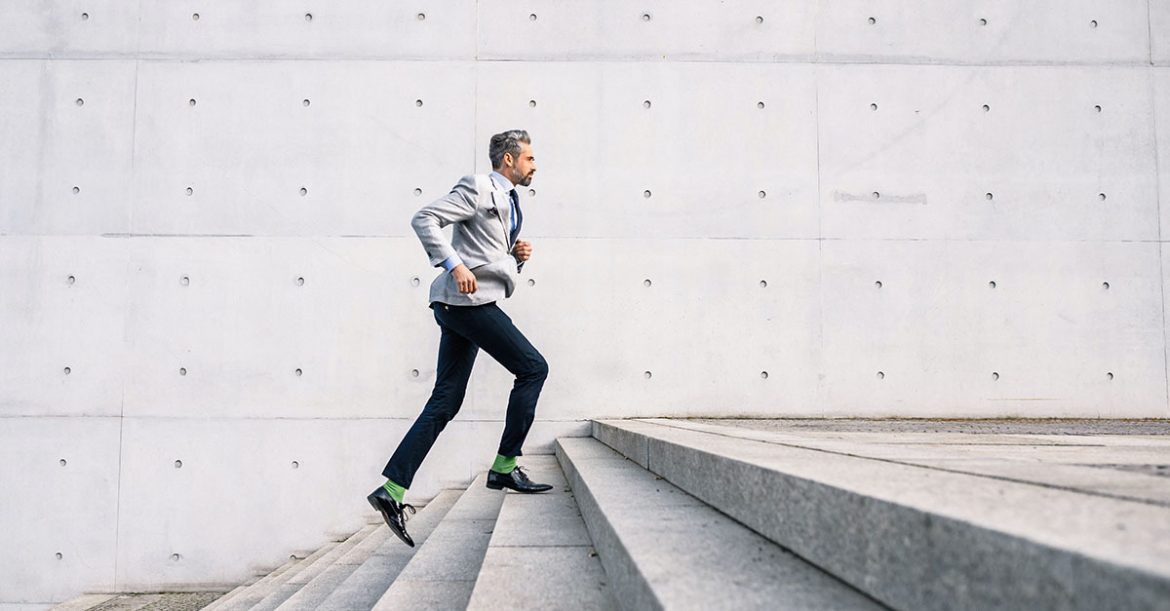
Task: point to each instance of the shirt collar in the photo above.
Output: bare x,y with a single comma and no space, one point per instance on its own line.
503,181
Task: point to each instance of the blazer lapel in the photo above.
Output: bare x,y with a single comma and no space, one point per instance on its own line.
519,218
503,208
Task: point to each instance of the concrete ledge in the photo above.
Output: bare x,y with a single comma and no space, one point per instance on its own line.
1073,458
320,586
442,572
293,585
921,538
370,580
662,548
632,445
255,579
261,589
85,601
540,555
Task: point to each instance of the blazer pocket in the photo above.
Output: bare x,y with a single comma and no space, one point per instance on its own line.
501,272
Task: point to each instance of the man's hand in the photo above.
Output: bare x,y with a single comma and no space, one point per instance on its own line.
522,250
464,278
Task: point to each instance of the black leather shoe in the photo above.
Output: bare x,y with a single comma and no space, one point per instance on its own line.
393,512
516,480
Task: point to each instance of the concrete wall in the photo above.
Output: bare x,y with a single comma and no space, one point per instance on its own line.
213,328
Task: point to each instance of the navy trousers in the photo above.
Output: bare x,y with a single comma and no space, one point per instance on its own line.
466,329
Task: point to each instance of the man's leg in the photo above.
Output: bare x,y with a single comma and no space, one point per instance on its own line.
456,358
491,329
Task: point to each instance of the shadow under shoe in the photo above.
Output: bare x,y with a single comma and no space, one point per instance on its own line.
393,512
516,480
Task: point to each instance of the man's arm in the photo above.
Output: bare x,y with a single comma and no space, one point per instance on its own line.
452,262
428,222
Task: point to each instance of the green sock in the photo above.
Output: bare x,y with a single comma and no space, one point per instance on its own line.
504,464
396,491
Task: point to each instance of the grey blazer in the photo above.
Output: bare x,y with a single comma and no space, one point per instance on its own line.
482,215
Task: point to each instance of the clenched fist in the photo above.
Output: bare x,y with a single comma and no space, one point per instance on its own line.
522,250
464,278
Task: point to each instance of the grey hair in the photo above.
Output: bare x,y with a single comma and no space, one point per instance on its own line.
507,142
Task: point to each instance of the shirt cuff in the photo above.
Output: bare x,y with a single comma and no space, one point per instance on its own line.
452,262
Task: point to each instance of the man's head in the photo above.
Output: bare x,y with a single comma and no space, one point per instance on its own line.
511,155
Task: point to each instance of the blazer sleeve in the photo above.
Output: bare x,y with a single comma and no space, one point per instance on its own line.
456,206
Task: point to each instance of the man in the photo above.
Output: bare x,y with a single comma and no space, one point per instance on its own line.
482,262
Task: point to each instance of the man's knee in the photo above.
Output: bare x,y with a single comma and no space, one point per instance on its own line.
443,405
538,370
439,416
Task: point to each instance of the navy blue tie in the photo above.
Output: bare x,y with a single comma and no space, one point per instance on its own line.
517,217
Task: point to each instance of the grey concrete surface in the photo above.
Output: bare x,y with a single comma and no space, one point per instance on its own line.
258,578
540,555
262,589
982,426
240,588
660,553
294,584
83,602
145,601
442,573
1073,455
310,596
921,537
541,577
370,580
131,601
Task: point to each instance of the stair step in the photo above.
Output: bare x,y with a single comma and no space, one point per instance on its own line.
244,586
294,584
256,592
368,581
251,581
442,572
540,555
913,536
82,602
663,548
321,585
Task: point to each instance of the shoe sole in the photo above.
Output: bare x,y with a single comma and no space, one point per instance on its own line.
389,522
501,487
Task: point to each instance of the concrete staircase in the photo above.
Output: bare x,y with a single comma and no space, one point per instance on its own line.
650,514
922,521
